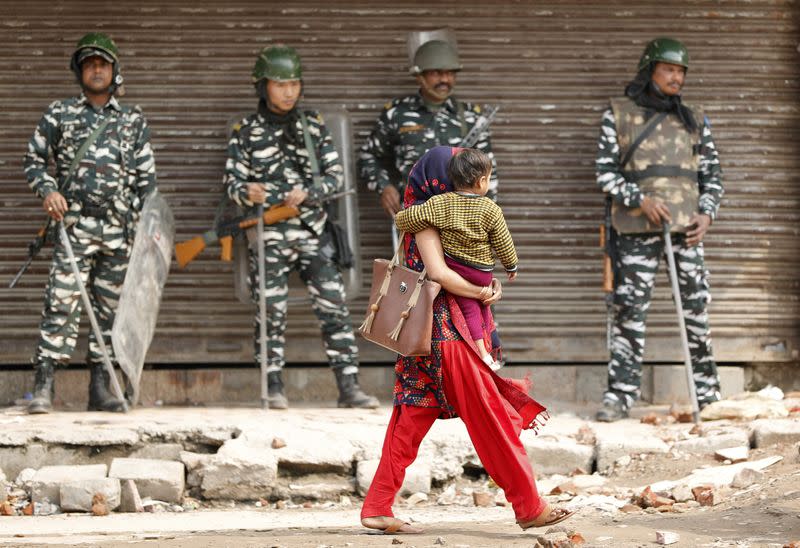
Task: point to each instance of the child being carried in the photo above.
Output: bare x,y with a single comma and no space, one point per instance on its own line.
471,226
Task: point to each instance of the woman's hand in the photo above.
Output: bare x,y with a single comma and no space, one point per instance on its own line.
495,292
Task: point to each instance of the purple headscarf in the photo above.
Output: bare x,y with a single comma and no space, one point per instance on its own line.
428,178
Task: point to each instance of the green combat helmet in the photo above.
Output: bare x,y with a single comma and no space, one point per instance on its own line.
435,55
665,50
97,44
278,63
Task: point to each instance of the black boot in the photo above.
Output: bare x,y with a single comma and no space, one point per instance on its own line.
612,412
100,397
350,393
276,397
43,388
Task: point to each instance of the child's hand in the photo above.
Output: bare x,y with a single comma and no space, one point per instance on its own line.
511,275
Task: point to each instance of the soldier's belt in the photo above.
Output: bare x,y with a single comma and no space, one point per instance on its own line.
91,207
659,171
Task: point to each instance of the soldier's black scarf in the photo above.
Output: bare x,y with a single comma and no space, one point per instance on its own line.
646,94
289,123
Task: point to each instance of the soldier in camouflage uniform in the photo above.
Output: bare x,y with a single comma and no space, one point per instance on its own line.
673,174
99,205
410,126
268,163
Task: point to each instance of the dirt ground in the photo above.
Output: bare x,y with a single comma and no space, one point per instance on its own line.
764,515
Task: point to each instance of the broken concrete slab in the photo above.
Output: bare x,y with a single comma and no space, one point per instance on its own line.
16,438
716,475
157,479
744,409
552,455
417,480
89,436
76,496
747,477
239,472
46,483
712,443
314,487
159,451
733,454
772,432
614,442
306,452
130,501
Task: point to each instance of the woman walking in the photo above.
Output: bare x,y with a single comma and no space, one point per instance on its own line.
453,381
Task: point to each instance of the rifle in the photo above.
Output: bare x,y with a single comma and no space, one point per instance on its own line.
480,126
186,252
608,245
43,236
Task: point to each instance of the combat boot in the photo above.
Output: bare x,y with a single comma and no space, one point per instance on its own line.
611,412
100,397
276,397
44,388
350,393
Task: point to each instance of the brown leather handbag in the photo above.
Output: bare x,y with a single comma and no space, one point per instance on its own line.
400,311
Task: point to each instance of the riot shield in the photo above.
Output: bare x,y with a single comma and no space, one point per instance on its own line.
148,267
416,39
338,123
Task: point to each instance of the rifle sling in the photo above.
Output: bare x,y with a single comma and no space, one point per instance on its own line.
84,148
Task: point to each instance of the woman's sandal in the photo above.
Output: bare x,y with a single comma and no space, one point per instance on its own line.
395,526
549,516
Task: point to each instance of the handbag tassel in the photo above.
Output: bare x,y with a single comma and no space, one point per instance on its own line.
395,333
366,327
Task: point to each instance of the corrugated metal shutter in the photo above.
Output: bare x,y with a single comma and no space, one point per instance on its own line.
550,65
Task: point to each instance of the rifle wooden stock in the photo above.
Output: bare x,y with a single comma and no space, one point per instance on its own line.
226,245
608,272
186,252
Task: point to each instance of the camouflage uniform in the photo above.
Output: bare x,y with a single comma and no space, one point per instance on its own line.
636,264
105,197
407,128
258,152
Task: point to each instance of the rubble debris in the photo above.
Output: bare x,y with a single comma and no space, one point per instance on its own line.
99,505
747,477
448,496
586,436
415,499
623,461
649,499
440,541
483,499
631,509
682,493
706,495
667,537
576,538
733,454
681,414
278,443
